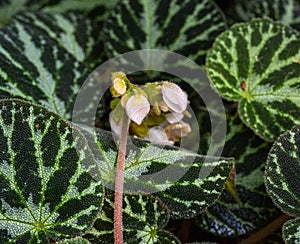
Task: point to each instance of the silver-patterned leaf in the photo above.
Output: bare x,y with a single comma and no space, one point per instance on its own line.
257,64
186,182
253,209
35,65
186,27
144,216
285,11
291,231
77,240
283,170
47,191
282,180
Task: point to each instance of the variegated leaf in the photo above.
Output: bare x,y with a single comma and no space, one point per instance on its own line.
47,192
285,11
186,182
291,231
257,64
186,27
282,172
282,179
251,208
77,240
144,216
35,66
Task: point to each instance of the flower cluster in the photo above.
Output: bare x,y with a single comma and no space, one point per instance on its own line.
155,109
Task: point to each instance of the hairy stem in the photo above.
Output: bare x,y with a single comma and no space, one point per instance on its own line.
119,183
267,230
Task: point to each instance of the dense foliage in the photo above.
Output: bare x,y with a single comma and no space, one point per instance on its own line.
56,177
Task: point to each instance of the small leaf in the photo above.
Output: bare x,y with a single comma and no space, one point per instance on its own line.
143,218
185,27
47,191
256,65
291,231
283,170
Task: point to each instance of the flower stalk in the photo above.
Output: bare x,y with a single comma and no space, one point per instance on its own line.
119,182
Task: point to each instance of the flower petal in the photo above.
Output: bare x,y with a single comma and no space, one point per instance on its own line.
174,97
158,135
174,117
115,127
137,108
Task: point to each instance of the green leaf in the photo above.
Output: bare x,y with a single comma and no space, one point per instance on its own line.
36,66
186,182
143,218
70,31
8,9
285,11
283,170
257,64
77,240
47,191
291,231
187,27
282,179
228,216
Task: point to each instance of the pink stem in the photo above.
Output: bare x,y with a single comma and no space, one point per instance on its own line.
119,184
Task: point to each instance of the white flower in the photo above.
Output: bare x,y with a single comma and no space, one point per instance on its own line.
115,127
158,135
137,108
174,97
174,117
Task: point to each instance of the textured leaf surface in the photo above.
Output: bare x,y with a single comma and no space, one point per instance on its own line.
35,64
186,27
257,64
283,170
46,187
285,11
291,231
186,182
228,217
143,218
77,240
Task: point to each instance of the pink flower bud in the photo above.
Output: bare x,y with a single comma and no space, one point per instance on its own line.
174,97
137,108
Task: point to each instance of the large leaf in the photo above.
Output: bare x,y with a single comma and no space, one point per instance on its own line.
282,179
144,217
251,208
77,240
285,11
257,65
47,191
186,27
186,182
35,65
71,31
